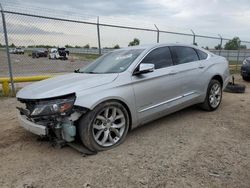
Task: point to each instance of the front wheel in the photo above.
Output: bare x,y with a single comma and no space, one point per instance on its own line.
213,97
105,127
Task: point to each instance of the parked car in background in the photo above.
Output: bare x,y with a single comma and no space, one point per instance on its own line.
122,90
11,50
245,69
17,51
59,53
39,53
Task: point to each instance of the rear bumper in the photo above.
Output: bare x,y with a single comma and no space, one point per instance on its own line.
32,127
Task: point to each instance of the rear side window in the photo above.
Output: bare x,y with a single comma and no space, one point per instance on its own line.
183,54
202,55
160,57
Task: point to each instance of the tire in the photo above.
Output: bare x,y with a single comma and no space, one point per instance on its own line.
246,78
107,133
212,100
235,88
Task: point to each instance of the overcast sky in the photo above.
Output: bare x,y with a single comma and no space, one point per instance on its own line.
208,17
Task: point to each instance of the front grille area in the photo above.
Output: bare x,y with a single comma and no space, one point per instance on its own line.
30,105
27,108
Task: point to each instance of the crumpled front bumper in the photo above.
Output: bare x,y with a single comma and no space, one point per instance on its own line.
32,127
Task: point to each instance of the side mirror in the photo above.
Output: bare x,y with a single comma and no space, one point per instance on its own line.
145,68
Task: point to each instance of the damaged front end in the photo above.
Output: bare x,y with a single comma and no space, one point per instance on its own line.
54,118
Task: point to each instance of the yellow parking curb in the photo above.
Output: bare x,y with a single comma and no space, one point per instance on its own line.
6,80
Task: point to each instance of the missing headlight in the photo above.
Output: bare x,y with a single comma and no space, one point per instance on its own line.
53,106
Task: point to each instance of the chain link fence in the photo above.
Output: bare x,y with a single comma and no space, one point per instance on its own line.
41,44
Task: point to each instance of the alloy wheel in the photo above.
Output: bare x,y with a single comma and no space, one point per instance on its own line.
109,126
215,95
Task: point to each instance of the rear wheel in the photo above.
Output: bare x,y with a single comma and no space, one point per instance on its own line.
105,127
213,97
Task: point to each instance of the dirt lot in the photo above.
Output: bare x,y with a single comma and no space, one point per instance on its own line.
24,65
191,148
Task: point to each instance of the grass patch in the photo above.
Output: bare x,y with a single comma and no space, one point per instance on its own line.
235,71
1,95
235,63
10,94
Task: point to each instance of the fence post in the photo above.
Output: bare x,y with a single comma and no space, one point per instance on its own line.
221,40
98,35
7,51
194,43
238,56
158,34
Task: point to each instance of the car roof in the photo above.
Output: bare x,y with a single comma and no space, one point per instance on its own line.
151,46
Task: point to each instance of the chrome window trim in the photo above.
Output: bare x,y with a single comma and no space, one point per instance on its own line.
208,55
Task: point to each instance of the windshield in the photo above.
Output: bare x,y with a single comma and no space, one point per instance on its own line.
113,62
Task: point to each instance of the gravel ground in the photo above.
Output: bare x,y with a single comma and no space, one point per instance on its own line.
24,65
190,148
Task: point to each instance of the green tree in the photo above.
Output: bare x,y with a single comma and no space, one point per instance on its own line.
233,44
12,45
116,46
135,42
68,46
218,47
86,46
243,46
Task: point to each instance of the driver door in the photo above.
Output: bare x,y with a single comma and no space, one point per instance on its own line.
156,91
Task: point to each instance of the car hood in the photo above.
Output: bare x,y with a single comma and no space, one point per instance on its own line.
65,84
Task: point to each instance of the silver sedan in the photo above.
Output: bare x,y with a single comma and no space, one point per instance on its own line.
121,90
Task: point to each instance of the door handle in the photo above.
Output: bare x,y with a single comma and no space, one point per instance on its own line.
201,66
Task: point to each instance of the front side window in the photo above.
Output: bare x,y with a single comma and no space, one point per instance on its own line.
113,62
183,54
160,57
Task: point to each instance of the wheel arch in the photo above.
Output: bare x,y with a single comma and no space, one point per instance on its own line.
218,78
91,104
